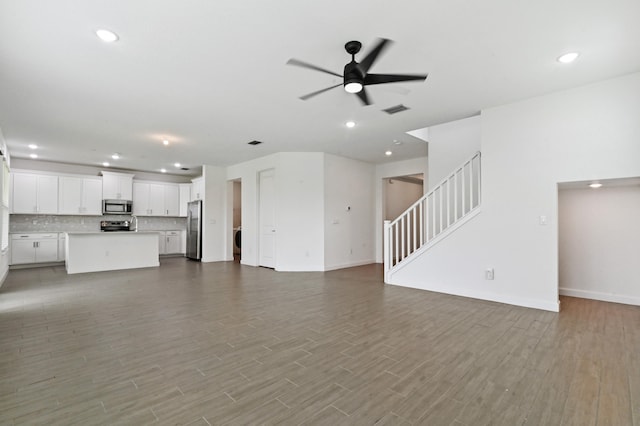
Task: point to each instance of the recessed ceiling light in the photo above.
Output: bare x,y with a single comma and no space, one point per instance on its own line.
166,142
388,153
163,170
176,164
107,36
115,156
33,146
567,58
105,164
595,185
350,124
33,155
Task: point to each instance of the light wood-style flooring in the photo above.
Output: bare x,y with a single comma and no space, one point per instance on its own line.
220,343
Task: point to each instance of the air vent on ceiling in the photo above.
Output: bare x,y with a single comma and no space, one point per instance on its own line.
255,143
184,168
395,109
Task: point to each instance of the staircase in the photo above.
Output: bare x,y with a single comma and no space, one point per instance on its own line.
451,203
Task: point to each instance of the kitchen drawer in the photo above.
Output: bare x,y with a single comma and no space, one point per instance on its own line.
35,236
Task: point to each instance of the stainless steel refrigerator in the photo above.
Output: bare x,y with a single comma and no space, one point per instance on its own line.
194,230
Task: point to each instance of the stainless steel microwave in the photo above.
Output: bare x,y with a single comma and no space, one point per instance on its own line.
116,206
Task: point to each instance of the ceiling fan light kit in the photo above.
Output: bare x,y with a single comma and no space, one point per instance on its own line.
356,75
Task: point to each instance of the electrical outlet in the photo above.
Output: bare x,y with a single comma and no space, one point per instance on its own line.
488,274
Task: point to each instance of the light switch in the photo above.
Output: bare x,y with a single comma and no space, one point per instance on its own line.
543,220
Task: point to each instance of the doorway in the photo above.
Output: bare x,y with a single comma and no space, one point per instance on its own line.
400,193
599,240
236,238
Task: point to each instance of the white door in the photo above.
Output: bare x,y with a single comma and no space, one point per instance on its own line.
267,219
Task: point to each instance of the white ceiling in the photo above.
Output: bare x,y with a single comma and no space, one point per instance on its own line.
211,76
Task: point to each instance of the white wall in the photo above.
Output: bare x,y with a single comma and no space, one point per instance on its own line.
591,132
300,212
299,180
4,227
213,214
399,196
451,144
599,243
383,171
247,172
348,212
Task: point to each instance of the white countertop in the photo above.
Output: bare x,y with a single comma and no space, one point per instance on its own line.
112,233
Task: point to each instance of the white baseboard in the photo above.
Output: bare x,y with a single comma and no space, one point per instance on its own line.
596,295
348,265
553,306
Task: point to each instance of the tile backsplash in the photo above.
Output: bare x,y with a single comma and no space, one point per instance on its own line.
55,223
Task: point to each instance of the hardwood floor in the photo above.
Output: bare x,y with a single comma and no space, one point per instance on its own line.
220,343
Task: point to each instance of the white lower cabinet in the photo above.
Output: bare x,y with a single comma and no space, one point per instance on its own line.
34,248
162,242
173,242
170,242
61,249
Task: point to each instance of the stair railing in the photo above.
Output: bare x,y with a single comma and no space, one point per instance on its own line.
454,198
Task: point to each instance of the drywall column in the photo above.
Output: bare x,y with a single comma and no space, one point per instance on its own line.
213,214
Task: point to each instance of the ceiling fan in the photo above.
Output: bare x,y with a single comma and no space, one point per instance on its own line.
356,75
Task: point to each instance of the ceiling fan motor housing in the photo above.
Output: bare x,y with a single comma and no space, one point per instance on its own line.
353,73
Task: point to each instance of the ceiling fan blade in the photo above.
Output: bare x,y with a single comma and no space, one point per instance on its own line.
391,78
311,95
299,63
371,57
363,96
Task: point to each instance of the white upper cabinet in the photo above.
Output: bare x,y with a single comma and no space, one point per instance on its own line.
117,186
34,194
140,199
92,196
172,200
184,197
197,189
155,199
80,196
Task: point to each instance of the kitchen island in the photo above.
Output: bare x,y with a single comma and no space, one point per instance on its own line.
108,251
